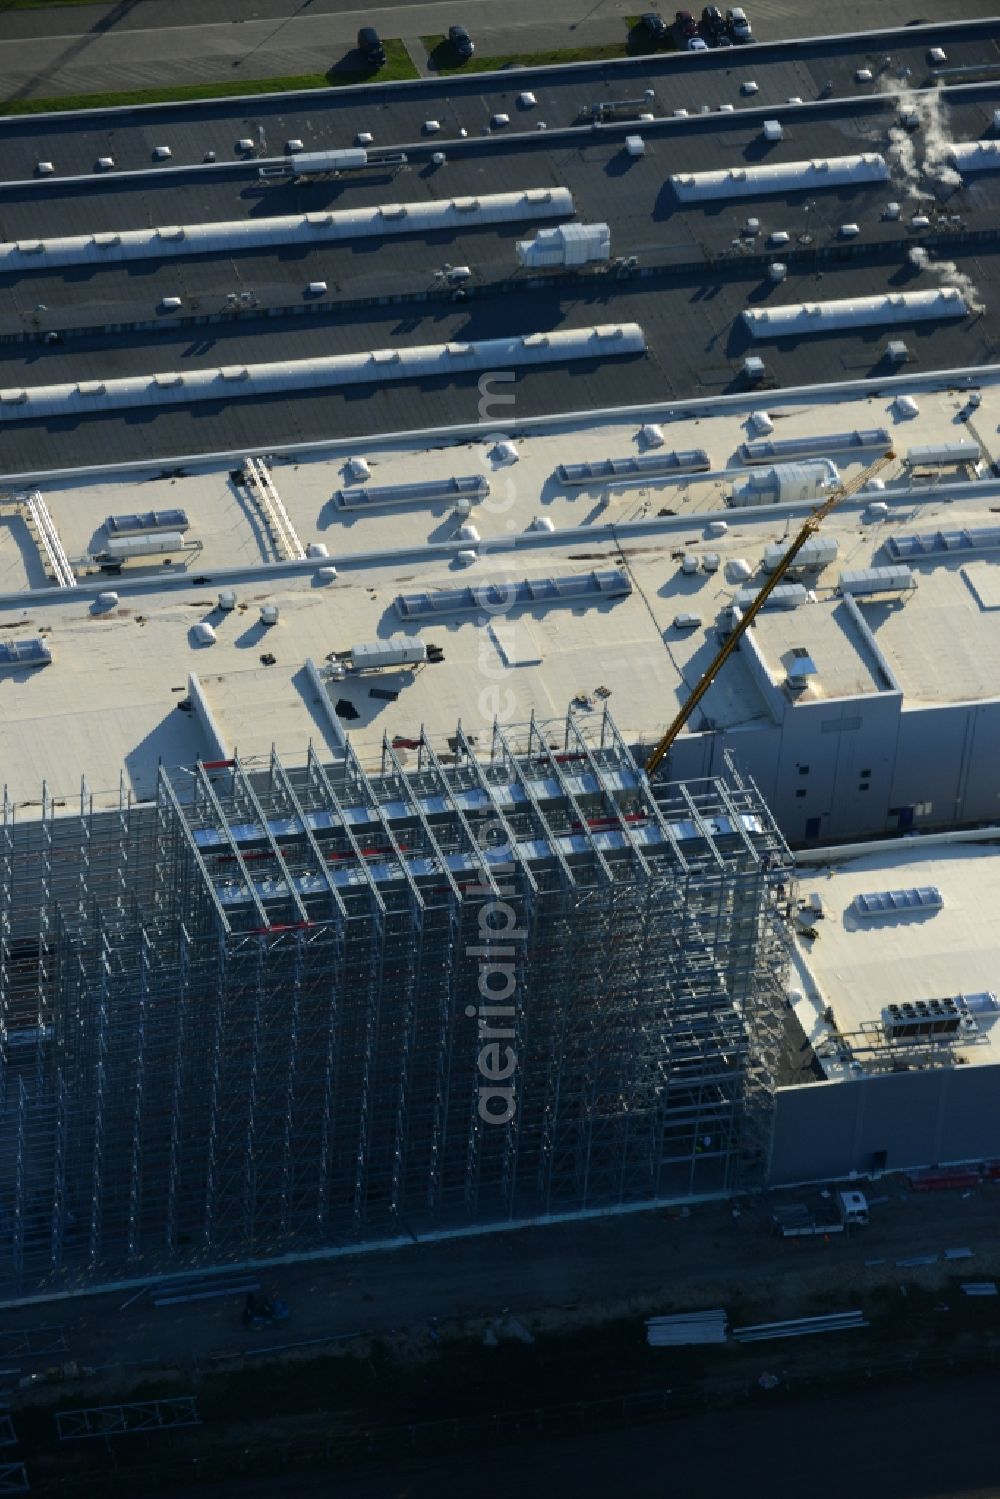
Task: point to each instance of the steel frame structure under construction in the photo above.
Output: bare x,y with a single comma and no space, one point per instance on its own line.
283,1008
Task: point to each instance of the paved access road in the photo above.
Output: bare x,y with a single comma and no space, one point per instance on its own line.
139,44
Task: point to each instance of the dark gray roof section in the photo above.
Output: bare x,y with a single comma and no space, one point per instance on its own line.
684,274
695,339
395,113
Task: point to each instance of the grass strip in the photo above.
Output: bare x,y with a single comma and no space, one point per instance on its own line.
398,67
443,60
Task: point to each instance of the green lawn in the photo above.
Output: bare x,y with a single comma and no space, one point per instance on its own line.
397,68
442,60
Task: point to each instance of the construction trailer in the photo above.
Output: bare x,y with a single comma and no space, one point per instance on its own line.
284,1007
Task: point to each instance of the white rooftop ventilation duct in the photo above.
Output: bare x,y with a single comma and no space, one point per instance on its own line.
780,177
307,229
569,245
422,361
784,483
314,163
854,312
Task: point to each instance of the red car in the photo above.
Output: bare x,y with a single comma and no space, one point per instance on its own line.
686,24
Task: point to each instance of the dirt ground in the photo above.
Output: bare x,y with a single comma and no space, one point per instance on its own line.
558,1277
385,1350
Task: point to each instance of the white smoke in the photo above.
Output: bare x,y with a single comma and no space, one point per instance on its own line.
923,116
933,117
948,273
903,157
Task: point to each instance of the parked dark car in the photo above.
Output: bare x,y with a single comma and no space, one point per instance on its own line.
712,25
370,46
460,42
653,29
687,26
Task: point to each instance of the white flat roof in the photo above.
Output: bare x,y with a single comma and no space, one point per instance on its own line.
857,965
108,699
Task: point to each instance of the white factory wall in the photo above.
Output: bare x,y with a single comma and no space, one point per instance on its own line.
930,767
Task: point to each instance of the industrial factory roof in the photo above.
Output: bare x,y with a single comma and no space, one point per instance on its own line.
181,264
693,331
196,300
911,950
395,112
118,672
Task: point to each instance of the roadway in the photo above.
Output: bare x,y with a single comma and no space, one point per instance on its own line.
82,49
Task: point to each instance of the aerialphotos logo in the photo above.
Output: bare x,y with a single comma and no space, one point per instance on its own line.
497,984
496,1012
